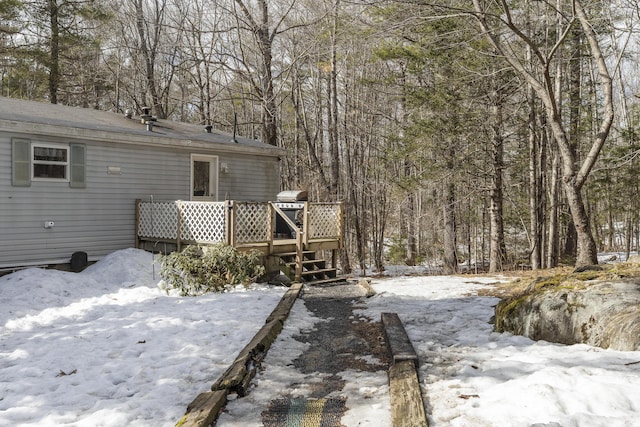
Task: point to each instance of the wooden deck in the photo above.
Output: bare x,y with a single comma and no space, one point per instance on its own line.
287,236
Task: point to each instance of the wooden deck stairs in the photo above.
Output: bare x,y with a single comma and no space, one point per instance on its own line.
315,270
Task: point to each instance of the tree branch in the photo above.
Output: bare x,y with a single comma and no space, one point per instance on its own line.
607,93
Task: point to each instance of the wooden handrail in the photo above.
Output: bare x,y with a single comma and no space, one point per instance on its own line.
299,239
305,223
284,216
299,256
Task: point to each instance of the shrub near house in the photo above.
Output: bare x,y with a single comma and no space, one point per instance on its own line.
199,270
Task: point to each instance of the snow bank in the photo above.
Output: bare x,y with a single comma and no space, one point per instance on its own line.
106,347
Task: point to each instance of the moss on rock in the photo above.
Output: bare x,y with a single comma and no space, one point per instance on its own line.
599,307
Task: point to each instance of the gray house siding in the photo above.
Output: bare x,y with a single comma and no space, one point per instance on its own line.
249,178
100,218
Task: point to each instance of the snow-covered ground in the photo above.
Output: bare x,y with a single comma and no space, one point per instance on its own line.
106,347
476,377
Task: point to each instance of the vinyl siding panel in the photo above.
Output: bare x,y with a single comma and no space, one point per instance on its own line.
100,218
249,178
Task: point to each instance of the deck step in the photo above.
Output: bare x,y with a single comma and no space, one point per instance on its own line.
307,262
314,270
292,254
329,281
318,271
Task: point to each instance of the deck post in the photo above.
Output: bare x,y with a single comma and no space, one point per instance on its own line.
230,218
137,231
179,227
305,223
340,218
272,226
299,255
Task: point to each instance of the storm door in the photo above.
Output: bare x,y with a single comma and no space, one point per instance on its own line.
204,178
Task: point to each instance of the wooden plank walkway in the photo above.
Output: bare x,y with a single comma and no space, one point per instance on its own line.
204,409
397,339
407,407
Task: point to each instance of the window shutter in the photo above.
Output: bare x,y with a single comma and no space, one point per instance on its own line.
20,162
77,166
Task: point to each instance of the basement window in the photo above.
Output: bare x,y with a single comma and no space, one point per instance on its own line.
50,162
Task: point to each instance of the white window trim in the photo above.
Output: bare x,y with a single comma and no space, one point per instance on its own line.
66,164
216,177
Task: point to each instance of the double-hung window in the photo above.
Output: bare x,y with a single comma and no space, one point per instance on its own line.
39,161
50,162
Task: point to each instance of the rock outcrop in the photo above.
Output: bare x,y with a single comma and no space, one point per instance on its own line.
603,314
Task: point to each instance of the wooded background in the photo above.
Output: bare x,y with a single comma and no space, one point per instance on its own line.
478,133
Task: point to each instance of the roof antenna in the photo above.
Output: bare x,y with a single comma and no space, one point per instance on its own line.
235,126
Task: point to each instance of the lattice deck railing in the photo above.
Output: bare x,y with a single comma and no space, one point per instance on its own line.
251,223
197,222
233,222
323,221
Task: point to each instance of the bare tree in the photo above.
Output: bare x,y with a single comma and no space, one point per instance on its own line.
258,22
494,25
150,27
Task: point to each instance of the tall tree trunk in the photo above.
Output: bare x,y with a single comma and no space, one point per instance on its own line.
553,242
409,210
54,52
378,227
408,207
534,189
449,242
149,57
573,137
269,118
358,228
553,249
541,211
303,122
628,235
332,110
264,38
537,175
355,199
611,227
497,251
586,249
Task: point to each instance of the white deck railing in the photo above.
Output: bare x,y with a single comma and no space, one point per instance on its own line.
236,223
